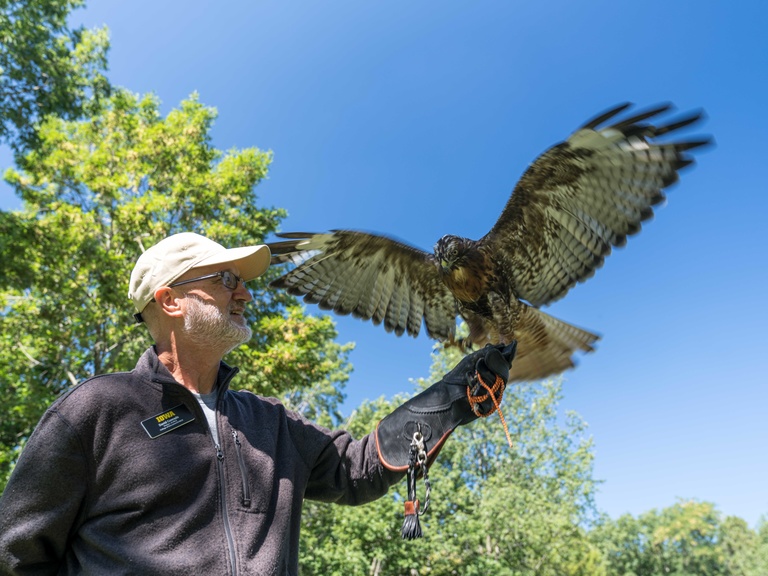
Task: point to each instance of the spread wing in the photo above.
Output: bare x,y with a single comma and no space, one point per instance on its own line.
582,197
371,277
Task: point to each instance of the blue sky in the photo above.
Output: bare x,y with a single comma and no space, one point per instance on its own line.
417,118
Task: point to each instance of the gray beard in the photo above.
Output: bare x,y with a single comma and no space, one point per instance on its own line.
205,324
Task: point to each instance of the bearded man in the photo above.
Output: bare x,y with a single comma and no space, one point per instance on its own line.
168,470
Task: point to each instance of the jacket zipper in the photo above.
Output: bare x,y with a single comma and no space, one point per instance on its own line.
224,513
243,472
222,480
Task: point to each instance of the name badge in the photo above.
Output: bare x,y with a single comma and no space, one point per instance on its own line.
167,421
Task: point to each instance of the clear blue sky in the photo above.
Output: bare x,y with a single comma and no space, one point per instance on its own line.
395,116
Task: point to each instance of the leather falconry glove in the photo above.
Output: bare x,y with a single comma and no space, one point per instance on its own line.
410,438
438,410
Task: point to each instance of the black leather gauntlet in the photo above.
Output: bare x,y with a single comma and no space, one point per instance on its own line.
438,410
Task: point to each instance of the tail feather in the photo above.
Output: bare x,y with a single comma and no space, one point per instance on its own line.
546,346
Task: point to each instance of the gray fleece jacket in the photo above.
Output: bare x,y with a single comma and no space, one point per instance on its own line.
122,476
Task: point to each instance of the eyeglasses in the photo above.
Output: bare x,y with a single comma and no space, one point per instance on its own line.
229,279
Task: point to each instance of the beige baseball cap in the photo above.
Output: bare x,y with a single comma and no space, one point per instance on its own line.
170,258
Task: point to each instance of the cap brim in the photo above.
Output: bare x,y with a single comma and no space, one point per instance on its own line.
252,261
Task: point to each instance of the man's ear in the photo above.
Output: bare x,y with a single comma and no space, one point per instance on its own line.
169,303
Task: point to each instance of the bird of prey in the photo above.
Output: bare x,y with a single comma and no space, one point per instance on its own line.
571,206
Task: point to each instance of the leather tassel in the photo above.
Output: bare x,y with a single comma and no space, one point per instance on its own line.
411,526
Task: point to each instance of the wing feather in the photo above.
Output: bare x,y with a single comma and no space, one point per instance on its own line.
584,196
370,276
396,316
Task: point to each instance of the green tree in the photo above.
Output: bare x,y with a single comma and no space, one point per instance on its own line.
494,509
342,540
761,556
46,68
740,548
95,193
686,539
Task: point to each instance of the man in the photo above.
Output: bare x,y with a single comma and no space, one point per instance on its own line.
166,470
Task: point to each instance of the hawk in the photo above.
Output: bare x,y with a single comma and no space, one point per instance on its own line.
577,200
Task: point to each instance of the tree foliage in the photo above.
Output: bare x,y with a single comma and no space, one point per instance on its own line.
102,175
96,192
494,509
686,539
46,68
523,511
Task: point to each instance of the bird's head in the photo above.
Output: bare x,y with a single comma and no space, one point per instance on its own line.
450,252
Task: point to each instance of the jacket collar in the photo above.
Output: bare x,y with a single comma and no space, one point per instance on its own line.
150,367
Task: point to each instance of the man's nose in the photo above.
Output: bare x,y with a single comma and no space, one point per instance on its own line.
242,293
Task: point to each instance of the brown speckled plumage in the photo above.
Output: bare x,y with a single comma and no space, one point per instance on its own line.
578,199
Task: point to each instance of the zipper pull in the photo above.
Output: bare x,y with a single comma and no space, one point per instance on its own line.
219,453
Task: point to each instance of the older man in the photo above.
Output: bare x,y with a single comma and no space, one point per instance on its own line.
167,470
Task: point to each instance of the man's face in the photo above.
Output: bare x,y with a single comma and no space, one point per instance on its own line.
213,313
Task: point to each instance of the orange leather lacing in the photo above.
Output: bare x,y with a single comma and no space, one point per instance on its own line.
495,393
